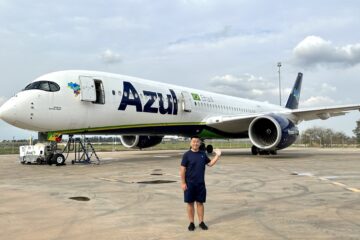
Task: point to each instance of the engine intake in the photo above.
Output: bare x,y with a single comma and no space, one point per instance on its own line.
272,132
136,141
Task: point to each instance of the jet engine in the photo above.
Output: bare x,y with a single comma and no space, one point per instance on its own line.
272,132
137,141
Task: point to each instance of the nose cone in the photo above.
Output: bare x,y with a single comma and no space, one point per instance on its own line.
8,112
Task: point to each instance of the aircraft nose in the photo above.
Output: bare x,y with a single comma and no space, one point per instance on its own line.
8,112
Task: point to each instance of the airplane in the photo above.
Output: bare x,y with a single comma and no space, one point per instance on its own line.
143,111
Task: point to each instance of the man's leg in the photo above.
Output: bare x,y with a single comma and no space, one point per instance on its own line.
200,211
191,212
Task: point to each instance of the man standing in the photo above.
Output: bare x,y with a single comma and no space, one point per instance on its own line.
192,172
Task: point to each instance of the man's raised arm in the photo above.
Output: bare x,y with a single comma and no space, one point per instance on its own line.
217,153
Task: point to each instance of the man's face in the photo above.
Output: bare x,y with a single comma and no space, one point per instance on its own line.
195,144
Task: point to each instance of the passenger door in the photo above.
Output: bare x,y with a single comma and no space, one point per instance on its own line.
88,91
186,101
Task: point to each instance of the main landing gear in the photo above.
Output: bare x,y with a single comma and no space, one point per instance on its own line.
255,151
209,148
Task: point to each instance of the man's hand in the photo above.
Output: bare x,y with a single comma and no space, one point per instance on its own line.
217,152
183,186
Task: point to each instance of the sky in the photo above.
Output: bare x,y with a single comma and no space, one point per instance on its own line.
230,47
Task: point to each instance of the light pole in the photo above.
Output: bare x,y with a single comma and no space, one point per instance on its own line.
13,145
279,66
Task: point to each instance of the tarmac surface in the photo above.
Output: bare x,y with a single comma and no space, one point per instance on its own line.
297,194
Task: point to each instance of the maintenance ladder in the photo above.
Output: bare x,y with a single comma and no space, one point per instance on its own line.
83,149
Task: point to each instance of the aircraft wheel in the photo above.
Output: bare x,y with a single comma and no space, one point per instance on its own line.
273,152
209,149
263,152
58,159
254,150
202,147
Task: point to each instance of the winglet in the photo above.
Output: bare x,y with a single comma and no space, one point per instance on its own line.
293,101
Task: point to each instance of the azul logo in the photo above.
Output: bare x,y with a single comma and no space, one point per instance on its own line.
131,97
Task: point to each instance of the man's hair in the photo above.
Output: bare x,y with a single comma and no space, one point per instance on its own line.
195,136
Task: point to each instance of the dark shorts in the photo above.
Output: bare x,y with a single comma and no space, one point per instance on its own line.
195,193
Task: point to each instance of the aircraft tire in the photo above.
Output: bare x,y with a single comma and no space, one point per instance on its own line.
254,150
58,159
202,147
273,152
209,149
264,152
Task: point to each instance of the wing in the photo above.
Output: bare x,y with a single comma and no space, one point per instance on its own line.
240,123
323,112
232,124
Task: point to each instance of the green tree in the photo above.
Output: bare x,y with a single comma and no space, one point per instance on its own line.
356,131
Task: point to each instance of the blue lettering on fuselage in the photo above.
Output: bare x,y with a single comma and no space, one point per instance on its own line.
131,97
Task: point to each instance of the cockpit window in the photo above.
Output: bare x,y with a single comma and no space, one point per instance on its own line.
43,85
54,87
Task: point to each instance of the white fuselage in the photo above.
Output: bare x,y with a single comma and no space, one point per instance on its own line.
126,102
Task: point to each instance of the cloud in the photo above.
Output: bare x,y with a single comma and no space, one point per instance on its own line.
110,57
225,38
246,86
317,101
204,37
121,23
313,51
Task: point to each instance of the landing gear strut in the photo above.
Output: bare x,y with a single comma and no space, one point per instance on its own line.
254,150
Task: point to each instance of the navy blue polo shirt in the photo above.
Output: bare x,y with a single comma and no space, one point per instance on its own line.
195,163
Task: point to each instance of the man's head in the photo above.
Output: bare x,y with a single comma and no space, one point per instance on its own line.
195,143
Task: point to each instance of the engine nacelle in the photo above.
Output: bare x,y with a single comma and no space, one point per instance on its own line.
272,132
136,141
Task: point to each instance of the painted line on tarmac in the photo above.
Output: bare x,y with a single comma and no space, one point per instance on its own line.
307,174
